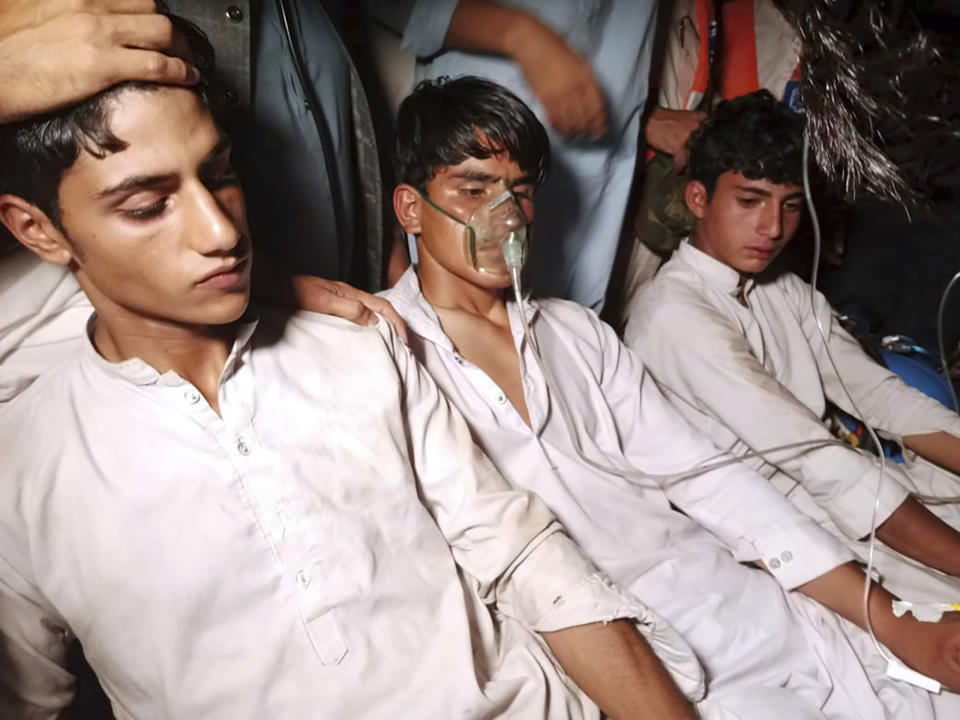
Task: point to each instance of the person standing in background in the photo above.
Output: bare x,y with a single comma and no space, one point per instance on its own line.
583,66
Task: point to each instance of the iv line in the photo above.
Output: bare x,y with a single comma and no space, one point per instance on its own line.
808,197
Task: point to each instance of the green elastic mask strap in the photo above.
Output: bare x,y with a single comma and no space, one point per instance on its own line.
470,230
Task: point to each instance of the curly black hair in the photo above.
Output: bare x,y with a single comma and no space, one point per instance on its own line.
438,125
752,134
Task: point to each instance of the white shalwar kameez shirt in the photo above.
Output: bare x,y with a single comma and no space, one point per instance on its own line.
767,654
325,547
757,377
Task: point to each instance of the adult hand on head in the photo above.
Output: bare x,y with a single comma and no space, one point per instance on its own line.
669,130
561,80
57,52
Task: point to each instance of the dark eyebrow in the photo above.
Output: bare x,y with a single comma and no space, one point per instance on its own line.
475,175
767,193
137,183
478,176
754,191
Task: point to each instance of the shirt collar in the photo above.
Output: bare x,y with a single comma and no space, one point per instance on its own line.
139,372
723,277
408,300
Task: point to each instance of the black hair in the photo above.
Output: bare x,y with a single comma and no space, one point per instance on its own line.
36,152
752,134
440,123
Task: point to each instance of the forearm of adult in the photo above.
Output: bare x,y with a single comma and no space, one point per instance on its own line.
940,448
490,27
917,533
616,667
559,77
930,648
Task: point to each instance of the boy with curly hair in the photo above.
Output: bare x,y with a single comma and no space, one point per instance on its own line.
751,359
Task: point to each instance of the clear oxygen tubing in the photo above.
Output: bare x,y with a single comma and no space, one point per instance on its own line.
872,546
513,254
944,365
513,257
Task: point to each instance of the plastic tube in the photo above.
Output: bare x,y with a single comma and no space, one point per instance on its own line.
944,365
872,546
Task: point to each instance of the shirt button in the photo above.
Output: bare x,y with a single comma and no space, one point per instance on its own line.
242,447
191,396
303,579
234,14
774,563
501,398
786,556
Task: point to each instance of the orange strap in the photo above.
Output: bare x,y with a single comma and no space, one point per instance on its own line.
701,76
739,76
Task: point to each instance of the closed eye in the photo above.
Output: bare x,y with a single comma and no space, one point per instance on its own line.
148,212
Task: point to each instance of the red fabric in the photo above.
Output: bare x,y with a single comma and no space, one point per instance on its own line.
739,76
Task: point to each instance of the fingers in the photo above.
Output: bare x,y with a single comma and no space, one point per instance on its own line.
383,307
346,308
577,110
374,304
680,159
148,65
154,32
106,6
47,9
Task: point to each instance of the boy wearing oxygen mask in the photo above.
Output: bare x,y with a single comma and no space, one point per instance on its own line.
564,410
751,360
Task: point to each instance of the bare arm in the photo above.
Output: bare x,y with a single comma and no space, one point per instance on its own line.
917,533
940,448
57,52
930,648
562,80
615,666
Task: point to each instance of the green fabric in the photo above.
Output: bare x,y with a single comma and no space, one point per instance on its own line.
663,218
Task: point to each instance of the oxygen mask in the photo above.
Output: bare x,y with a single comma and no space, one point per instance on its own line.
495,236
